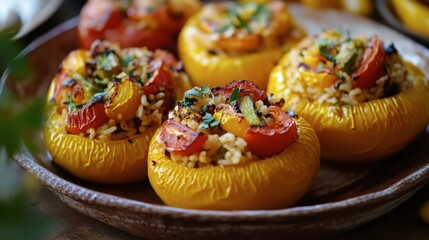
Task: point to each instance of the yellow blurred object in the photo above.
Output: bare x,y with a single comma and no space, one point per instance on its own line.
124,99
367,131
414,14
424,212
271,183
118,161
361,7
322,4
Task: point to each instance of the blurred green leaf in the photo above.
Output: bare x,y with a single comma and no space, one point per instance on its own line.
18,221
9,51
18,121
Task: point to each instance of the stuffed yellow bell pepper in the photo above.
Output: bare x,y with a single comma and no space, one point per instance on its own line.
232,148
234,41
104,106
135,23
364,102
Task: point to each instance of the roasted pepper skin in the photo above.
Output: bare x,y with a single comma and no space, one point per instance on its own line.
367,131
119,161
246,186
217,70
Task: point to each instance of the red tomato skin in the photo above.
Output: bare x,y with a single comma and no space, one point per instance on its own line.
273,138
372,66
91,116
180,139
245,87
101,19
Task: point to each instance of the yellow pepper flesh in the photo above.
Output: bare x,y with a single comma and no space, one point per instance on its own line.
126,97
217,70
246,186
232,123
119,161
367,131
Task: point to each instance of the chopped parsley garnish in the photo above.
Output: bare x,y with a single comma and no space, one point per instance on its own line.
261,15
127,60
206,90
242,23
148,75
193,92
324,51
190,97
98,96
320,67
235,95
124,5
101,82
70,104
208,122
341,77
107,61
119,77
224,28
69,82
235,17
88,85
187,102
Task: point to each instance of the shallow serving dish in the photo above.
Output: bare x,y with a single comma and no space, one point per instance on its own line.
343,196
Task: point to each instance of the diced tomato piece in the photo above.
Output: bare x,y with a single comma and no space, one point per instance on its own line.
273,138
180,139
372,66
92,115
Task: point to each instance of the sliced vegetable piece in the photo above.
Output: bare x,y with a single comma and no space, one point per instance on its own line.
248,109
245,87
180,139
230,120
123,99
247,43
92,115
282,132
371,68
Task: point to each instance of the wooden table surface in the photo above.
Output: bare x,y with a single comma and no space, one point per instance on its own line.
401,223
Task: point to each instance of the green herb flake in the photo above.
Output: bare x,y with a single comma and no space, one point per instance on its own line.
124,5
242,23
261,15
320,67
235,95
98,96
193,92
148,75
71,104
341,77
127,60
324,51
68,82
207,91
119,77
187,102
208,122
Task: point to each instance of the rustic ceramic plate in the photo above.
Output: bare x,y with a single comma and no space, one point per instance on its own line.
343,196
